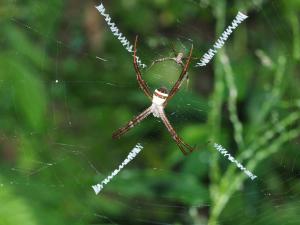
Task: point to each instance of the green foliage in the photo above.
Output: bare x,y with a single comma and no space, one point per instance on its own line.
14,209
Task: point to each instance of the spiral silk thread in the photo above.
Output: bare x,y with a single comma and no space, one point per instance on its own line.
206,58
136,150
225,153
116,32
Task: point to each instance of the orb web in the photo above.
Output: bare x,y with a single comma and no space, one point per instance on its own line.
67,84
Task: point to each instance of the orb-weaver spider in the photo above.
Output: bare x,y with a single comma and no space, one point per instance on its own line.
159,99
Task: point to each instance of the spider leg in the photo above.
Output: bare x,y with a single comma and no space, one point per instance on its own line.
175,53
194,58
178,83
118,133
160,60
143,85
165,59
181,144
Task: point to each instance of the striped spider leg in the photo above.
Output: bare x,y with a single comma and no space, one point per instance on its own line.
180,143
181,78
159,100
132,123
143,85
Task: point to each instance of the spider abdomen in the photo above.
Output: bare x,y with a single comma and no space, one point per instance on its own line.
155,109
159,96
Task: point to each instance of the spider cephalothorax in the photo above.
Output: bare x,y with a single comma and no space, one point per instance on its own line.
159,99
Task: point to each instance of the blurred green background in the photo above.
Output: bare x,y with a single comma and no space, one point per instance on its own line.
66,84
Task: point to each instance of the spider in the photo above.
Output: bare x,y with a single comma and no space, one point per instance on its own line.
178,58
159,99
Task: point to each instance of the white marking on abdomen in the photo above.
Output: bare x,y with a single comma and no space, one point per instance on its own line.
155,109
157,100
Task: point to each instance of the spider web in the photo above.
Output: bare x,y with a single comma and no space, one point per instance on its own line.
68,84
